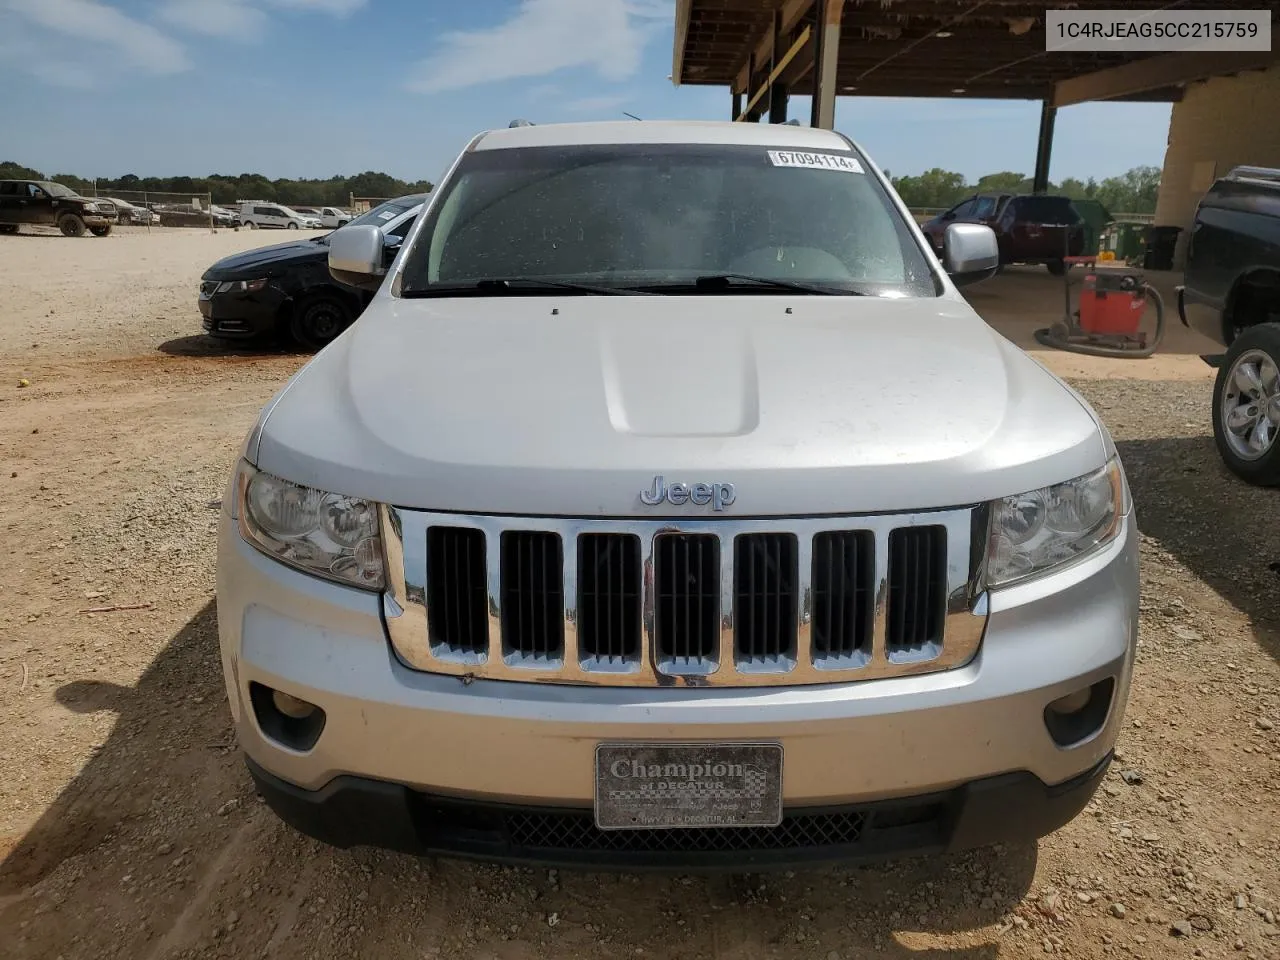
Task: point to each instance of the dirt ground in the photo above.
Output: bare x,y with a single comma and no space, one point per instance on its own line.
129,828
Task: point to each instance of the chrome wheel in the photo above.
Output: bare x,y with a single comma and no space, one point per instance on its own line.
1251,405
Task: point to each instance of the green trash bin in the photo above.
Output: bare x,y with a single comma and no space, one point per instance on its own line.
1096,219
1130,240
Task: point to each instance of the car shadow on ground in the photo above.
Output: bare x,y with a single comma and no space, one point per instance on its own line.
159,834
199,345
1224,531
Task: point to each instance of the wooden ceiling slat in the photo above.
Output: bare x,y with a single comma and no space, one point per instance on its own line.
722,33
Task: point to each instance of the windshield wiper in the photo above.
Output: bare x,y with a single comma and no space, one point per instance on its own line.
722,280
514,284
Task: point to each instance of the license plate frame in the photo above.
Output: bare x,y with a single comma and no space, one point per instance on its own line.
696,785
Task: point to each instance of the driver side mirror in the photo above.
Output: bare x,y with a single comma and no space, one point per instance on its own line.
357,256
970,252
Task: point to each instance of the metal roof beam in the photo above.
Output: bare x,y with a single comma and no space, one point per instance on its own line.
1152,73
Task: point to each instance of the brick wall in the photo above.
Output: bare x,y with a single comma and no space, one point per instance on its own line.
1218,124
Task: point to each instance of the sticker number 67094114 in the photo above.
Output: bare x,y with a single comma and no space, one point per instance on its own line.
817,161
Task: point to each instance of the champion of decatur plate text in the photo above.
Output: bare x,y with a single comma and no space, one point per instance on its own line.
816,161
671,786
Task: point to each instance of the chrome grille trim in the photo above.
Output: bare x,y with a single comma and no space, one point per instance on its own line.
405,602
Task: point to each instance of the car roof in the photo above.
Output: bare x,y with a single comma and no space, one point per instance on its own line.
663,131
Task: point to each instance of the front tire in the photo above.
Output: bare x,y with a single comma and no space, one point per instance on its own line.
101,231
71,225
1246,406
1056,267
318,319
293,226
8,229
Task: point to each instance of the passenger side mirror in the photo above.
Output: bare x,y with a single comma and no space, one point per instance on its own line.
970,252
357,256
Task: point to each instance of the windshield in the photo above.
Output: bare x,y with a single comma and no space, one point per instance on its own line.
646,216
57,189
1058,211
379,215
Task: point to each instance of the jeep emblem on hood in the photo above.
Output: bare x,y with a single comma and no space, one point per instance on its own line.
719,495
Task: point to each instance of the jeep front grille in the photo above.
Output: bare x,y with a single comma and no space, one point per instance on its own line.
609,597
699,602
844,567
687,603
532,596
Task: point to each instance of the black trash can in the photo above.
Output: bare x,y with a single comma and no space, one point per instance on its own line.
1161,244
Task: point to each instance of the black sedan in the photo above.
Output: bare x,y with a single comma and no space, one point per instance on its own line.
286,289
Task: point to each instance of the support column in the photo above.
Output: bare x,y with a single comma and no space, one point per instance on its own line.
778,97
737,106
1044,148
826,59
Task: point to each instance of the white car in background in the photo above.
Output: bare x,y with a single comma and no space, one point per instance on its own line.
332,218
257,214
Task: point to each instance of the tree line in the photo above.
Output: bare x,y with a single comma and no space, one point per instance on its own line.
1132,192
225,189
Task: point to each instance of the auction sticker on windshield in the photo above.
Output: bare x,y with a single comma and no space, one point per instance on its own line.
818,161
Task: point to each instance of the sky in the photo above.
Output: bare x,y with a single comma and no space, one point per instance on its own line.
315,88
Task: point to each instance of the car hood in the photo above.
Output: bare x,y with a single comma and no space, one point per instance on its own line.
239,266
570,406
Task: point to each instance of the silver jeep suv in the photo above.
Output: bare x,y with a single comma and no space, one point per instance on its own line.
668,506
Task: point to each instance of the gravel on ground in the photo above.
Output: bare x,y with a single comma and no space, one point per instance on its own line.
129,827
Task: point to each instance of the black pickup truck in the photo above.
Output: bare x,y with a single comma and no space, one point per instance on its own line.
42,202
1231,293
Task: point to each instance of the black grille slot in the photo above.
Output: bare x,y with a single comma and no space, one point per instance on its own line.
457,608
843,578
532,593
609,596
687,619
917,588
567,831
764,595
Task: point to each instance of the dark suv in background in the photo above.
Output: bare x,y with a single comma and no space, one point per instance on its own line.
286,289
45,203
1231,294
1030,228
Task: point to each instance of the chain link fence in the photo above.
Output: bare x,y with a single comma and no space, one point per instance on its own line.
151,209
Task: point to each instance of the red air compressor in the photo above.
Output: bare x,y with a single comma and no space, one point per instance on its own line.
1113,301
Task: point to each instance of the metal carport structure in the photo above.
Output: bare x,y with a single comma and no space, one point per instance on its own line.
765,51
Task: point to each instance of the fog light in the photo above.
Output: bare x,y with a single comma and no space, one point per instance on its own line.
1071,703
289,721
292,706
1079,715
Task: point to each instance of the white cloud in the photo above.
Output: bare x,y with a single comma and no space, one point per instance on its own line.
244,20
215,18
94,22
543,37
34,37
339,8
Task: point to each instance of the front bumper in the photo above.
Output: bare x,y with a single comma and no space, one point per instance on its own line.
351,812
416,738
242,315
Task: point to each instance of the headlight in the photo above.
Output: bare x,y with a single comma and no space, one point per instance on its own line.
327,534
1034,532
90,208
241,286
